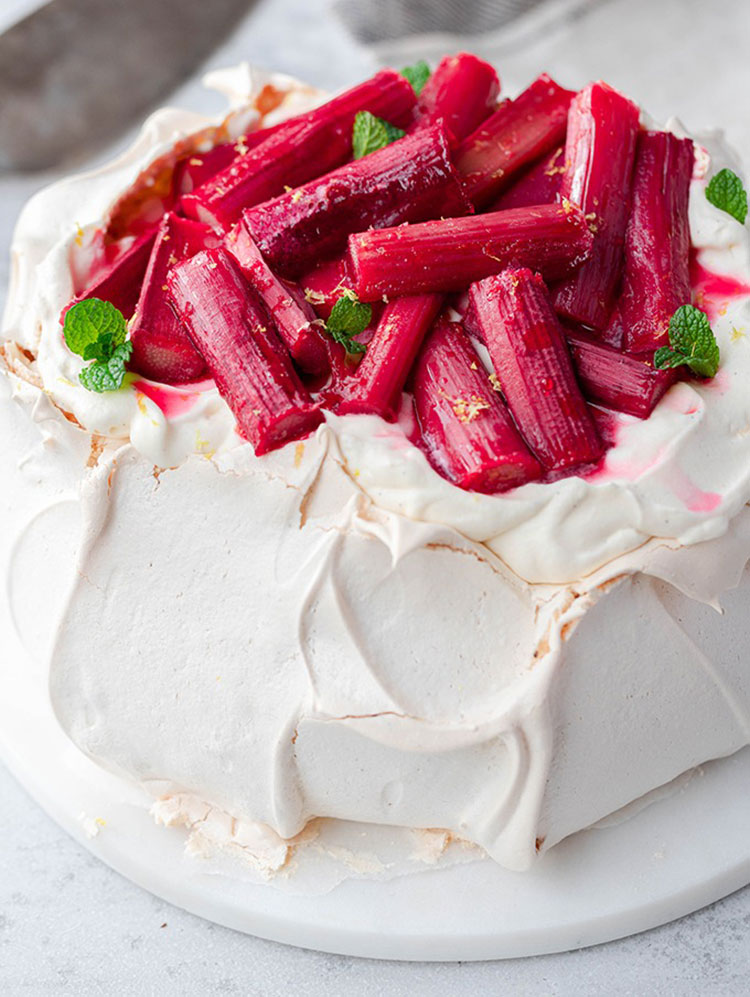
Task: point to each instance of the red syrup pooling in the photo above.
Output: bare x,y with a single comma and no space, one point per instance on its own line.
173,401
712,292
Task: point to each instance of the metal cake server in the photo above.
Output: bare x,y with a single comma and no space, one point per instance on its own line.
75,73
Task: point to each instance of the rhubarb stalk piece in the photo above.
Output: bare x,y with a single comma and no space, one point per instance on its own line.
527,346
656,280
252,368
382,373
462,92
120,281
609,377
324,284
448,254
162,349
304,147
408,180
519,132
199,167
540,184
295,320
599,157
613,333
466,429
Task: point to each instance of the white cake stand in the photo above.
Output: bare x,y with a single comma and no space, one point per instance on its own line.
682,852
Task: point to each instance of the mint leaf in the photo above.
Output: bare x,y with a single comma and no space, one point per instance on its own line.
107,375
370,134
349,317
93,328
96,330
393,133
725,191
665,356
417,75
692,343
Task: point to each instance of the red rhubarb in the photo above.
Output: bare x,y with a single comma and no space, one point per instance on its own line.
120,281
295,319
252,369
613,334
466,429
519,132
199,167
448,254
408,180
305,147
657,241
599,157
609,377
162,349
527,346
462,92
540,184
323,285
376,385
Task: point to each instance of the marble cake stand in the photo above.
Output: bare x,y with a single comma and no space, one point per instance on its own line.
682,852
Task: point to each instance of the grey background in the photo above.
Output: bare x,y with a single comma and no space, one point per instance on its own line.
68,925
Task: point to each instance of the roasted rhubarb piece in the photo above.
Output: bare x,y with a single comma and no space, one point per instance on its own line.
304,147
609,377
462,92
408,180
466,429
382,373
195,170
519,132
294,318
527,346
656,279
540,184
448,254
120,282
324,284
199,167
162,349
252,369
599,157
613,333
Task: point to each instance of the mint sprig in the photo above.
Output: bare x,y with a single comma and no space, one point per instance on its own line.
726,192
97,331
417,75
370,134
107,375
692,343
349,317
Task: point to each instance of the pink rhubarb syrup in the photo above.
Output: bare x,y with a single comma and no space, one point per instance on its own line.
693,498
712,292
173,401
